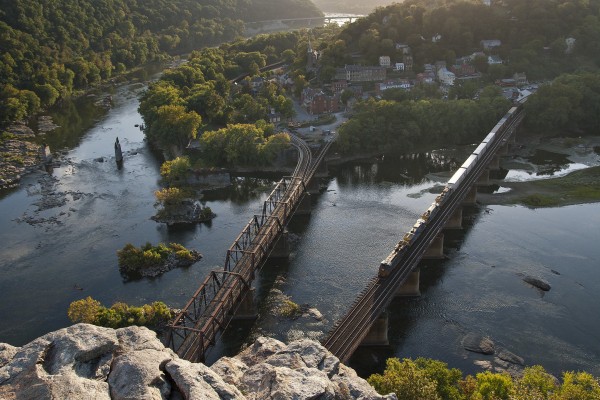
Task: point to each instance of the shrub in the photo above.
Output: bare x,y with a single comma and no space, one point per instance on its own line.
119,314
134,259
175,170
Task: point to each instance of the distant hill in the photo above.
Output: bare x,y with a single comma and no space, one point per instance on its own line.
52,47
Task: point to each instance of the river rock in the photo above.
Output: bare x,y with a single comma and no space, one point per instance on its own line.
139,375
260,350
537,282
7,352
478,344
510,357
197,381
230,369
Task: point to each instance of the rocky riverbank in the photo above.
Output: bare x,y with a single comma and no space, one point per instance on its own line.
89,362
18,155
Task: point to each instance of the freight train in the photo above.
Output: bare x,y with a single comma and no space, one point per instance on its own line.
392,261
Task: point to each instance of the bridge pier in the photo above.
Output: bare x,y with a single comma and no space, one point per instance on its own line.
436,248
312,187
455,221
410,287
247,308
305,205
378,334
484,178
281,249
494,163
471,197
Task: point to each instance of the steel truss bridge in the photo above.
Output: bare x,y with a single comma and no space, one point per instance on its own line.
197,326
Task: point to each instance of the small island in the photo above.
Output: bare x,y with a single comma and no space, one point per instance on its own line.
152,261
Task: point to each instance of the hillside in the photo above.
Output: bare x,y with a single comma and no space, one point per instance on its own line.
51,48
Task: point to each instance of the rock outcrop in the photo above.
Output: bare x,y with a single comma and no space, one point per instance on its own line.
89,362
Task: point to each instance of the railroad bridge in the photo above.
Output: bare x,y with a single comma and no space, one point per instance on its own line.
228,292
398,274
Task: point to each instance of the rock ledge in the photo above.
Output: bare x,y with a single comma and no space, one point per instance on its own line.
89,362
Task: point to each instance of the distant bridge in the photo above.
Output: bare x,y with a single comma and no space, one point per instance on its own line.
228,291
398,273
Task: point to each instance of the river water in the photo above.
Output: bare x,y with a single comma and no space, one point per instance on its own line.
60,234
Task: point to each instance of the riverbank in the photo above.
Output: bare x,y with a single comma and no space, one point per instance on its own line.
579,186
18,155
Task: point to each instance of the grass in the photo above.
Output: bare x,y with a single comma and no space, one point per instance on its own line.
578,187
289,309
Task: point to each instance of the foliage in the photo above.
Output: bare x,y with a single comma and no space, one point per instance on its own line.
406,379
387,125
52,49
430,379
241,144
171,195
569,102
175,170
119,314
289,309
532,36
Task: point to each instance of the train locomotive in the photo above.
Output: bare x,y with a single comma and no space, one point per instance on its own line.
393,259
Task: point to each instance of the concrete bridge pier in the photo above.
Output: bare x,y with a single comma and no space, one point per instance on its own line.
247,308
281,249
455,221
494,163
378,334
410,288
484,178
312,187
436,248
471,197
305,205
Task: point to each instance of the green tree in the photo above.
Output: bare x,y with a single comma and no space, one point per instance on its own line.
174,125
493,386
84,310
406,379
175,170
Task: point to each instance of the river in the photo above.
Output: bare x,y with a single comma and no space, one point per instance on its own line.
53,256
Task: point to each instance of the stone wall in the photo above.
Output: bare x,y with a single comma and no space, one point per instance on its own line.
89,362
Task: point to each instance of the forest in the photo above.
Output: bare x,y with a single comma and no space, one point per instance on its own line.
533,35
53,48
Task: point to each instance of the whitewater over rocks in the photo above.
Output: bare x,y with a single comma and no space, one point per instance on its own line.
90,362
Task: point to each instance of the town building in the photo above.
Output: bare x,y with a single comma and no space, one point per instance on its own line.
446,77
398,84
359,73
316,102
384,61
490,44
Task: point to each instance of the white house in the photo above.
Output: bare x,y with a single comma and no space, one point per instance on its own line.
490,44
494,60
446,77
384,61
399,67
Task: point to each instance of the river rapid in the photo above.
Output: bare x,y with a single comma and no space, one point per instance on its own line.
60,233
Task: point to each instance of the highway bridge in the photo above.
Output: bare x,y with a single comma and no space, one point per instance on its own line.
361,323
227,291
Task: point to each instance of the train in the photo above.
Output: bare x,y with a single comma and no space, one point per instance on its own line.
393,259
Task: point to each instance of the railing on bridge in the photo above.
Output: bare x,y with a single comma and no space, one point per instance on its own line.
214,303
